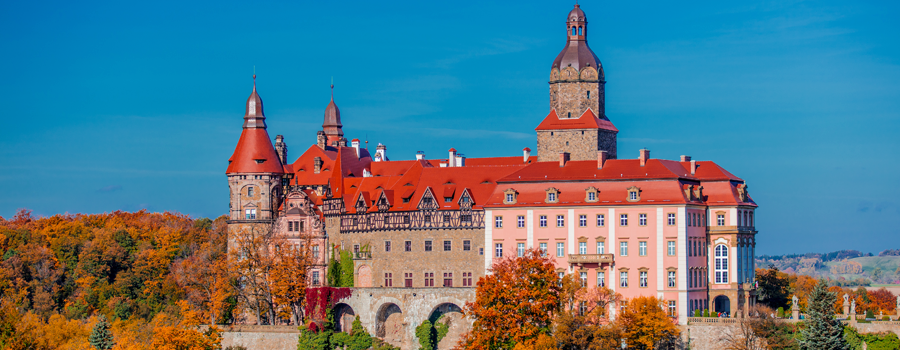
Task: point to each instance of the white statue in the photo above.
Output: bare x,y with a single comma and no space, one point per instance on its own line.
853,306
847,298
795,303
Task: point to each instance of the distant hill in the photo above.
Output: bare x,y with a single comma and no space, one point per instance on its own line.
846,267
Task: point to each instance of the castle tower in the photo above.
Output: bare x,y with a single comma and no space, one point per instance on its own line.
332,124
577,123
254,173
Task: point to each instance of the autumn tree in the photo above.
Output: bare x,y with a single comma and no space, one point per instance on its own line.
515,303
288,278
252,260
206,274
822,331
882,301
645,325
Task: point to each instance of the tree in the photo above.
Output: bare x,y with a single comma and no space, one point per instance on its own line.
822,331
288,278
101,337
645,325
515,303
773,287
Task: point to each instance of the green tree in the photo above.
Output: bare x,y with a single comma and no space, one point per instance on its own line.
346,269
101,337
773,287
822,331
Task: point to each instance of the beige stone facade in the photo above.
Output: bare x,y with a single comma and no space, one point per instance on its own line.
572,94
581,144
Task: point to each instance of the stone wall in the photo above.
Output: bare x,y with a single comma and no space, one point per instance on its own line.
261,337
582,144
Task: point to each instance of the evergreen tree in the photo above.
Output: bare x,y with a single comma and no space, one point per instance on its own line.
101,337
822,331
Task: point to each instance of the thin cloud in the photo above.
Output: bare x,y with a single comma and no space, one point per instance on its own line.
111,188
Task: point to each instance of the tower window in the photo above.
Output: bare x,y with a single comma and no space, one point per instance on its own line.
570,114
249,191
573,30
579,30
588,94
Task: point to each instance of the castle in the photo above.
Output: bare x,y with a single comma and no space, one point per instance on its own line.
682,230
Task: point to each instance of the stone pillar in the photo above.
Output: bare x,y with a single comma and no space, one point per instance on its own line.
846,305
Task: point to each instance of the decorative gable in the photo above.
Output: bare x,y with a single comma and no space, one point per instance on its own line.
591,195
509,196
552,195
465,200
634,194
427,202
742,192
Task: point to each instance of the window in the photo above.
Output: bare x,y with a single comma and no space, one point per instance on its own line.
582,247
356,249
290,226
721,263
315,249
601,279
467,279
429,279
480,251
498,221
583,276
601,220
623,279
601,247
543,221
249,191
642,219
671,279
250,214
520,221
315,278
405,200
446,218
672,308
300,225
448,199
632,195
560,249
407,246
560,221
642,248
589,95
448,279
467,245
520,249
448,246
592,196
671,219
751,218
560,275
498,250
623,248
543,246
388,279
671,248
720,219
510,198
387,246
551,197
623,220
427,246
407,279
582,220
643,279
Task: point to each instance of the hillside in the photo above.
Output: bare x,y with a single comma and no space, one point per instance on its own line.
846,267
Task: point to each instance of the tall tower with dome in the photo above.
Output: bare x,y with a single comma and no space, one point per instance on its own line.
577,126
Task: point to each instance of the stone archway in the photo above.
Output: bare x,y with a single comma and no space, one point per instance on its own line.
389,324
364,276
451,315
722,304
343,317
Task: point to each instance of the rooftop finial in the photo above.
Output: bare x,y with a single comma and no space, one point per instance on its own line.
332,88
254,78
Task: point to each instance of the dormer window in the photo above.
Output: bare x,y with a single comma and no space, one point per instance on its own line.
552,195
591,194
260,161
634,194
509,196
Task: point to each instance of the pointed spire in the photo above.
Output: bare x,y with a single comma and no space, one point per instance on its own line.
332,123
254,117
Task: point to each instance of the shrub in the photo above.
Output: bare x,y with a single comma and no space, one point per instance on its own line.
705,312
780,312
870,314
698,313
886,318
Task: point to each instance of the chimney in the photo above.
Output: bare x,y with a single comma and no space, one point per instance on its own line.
526,154
320,139
460,160
645,155
685,158
381,150
317,164
355,145
693,167
420,155
602,156
342,142
563,158
452,158
281,148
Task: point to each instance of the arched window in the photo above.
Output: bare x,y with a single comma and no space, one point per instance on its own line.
573,30
721,263
579,31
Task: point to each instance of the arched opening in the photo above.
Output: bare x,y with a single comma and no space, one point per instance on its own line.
364,276
343,317
722,304
389,324
448,316
573,30
579,31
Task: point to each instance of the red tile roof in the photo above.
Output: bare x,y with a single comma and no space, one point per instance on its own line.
587,121
254,146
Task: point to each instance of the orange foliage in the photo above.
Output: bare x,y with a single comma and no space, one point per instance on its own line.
645,324
515,303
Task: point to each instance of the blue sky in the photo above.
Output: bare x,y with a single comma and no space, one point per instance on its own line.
125,105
